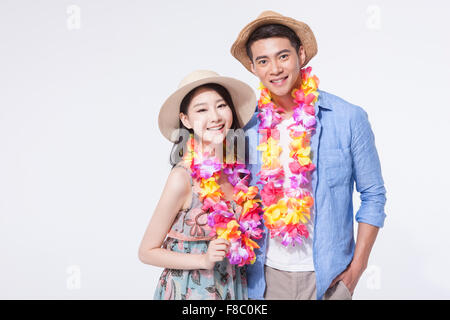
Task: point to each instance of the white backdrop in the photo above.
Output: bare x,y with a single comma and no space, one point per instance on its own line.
82,162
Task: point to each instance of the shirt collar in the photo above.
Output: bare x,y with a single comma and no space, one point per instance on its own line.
322,101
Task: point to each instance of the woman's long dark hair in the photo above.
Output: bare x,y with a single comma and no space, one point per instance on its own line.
177,149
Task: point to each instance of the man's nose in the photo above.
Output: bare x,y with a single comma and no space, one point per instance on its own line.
276,68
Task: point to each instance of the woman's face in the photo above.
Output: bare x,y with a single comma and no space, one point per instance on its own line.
209,116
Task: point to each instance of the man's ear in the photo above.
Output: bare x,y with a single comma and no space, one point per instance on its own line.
185,121
252,67
301,55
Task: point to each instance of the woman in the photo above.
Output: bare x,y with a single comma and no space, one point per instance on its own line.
206,210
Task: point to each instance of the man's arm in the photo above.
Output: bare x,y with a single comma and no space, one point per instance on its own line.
370,185
367,171
364,243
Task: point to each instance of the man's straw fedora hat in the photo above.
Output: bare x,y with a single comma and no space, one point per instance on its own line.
301,29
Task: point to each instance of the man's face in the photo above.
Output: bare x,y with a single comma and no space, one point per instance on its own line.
277,64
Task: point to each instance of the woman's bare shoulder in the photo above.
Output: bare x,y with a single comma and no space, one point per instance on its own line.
178,180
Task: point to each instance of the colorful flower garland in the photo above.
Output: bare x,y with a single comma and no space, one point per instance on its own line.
240,232
286,211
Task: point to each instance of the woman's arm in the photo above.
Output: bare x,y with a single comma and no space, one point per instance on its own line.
174,195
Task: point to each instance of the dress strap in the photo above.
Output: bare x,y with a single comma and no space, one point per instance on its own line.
181,166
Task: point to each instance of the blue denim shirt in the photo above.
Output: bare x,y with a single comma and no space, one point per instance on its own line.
344,153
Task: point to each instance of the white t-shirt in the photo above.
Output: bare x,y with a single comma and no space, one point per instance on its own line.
298,257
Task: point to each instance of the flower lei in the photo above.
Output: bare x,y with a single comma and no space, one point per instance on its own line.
240,232
286,211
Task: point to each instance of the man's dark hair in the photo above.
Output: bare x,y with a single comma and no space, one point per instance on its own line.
270,31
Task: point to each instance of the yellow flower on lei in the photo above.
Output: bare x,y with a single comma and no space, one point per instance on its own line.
302,155
301,141
241,196
232,231
248,206
275,212
210,188
271,153
310,86
265,96
299,210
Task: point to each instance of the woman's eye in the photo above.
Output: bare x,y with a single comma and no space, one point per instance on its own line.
201,110
221,105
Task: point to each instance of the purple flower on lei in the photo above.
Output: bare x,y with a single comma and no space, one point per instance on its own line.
207,168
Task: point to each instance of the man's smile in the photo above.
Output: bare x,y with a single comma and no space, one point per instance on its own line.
279,81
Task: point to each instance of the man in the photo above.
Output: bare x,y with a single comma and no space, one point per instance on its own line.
311,147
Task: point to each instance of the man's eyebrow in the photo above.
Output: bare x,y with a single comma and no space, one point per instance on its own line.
277,54
260,57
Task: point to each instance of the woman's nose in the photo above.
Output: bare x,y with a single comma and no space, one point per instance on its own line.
214,115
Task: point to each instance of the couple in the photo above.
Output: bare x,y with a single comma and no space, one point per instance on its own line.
280,226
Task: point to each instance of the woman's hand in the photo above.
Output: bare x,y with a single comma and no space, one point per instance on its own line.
217,250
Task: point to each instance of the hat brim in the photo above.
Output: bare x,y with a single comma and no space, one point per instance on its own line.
301,29
242,94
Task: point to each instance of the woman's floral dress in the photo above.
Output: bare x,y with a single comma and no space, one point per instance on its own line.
189,234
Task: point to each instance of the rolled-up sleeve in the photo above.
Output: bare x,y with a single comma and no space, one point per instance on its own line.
367,171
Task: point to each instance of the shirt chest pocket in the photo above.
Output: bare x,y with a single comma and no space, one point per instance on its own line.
338,166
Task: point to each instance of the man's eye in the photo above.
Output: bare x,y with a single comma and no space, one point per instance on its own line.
284,57
262,61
